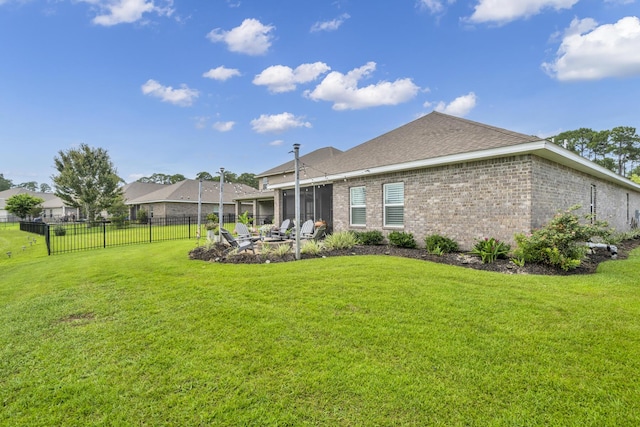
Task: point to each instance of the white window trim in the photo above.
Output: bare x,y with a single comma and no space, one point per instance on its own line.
385,205
351,206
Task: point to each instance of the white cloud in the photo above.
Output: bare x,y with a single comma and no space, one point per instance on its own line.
591,52
251,37
503,11
221,73
343,90
277,123
434,6
223,126
280,78
460,107
113,12
183,97
276,143
332,25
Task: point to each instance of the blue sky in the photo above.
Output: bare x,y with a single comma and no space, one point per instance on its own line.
188,86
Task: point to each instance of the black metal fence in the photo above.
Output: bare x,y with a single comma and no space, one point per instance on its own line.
80,236
64,237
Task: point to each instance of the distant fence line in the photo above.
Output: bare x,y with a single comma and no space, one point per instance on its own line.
65,237
80,236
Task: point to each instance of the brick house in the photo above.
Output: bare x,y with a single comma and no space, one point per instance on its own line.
455,177
181,199
53,208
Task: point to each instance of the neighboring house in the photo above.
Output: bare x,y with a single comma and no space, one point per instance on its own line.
53,208
181,199
462,179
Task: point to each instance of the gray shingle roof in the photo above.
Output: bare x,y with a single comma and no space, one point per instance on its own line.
317,156
136,189
51,201
431,136
187,191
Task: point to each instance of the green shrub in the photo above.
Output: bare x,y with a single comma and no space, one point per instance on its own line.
59,230
120,221
373,237
282,250
340,240
437,244
311,247
245,218
490,249
266,250
213,218
402,239
143,216
561,242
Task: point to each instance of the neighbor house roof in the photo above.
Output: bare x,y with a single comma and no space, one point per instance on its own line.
187,192
136,189
51,201
439,139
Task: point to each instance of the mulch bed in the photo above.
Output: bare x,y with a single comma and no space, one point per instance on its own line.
215,253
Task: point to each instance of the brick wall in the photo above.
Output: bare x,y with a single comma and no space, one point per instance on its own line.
490,198
465,201
557,188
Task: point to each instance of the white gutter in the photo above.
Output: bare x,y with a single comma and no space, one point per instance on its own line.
541,148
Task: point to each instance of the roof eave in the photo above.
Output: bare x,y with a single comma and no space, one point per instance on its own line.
541,148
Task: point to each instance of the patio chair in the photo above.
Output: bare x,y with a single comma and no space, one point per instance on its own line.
317,234
240,245
307,229
281,233
244,234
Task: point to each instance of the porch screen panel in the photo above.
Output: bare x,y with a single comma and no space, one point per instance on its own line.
358,206
394,204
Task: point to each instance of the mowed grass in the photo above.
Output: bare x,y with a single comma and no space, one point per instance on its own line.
141,335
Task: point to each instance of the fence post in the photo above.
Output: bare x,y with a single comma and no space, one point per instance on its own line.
150,237
47,239
104,234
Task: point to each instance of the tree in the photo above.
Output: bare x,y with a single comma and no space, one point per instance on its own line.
248,179
87,179
30,185
600,146
205,176
5,183
45,188
162,178
626,147
24,204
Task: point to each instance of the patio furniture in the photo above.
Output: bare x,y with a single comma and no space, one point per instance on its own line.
307,229
318,233
239,245
281,233
244,234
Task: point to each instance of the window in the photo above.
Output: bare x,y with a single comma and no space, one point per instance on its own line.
394,204
593,210
265,183
358,206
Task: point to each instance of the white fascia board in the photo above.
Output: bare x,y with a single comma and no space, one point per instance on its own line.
541,148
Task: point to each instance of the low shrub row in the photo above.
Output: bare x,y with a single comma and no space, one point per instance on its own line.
559,243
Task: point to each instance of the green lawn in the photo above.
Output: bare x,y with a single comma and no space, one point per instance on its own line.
141,335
